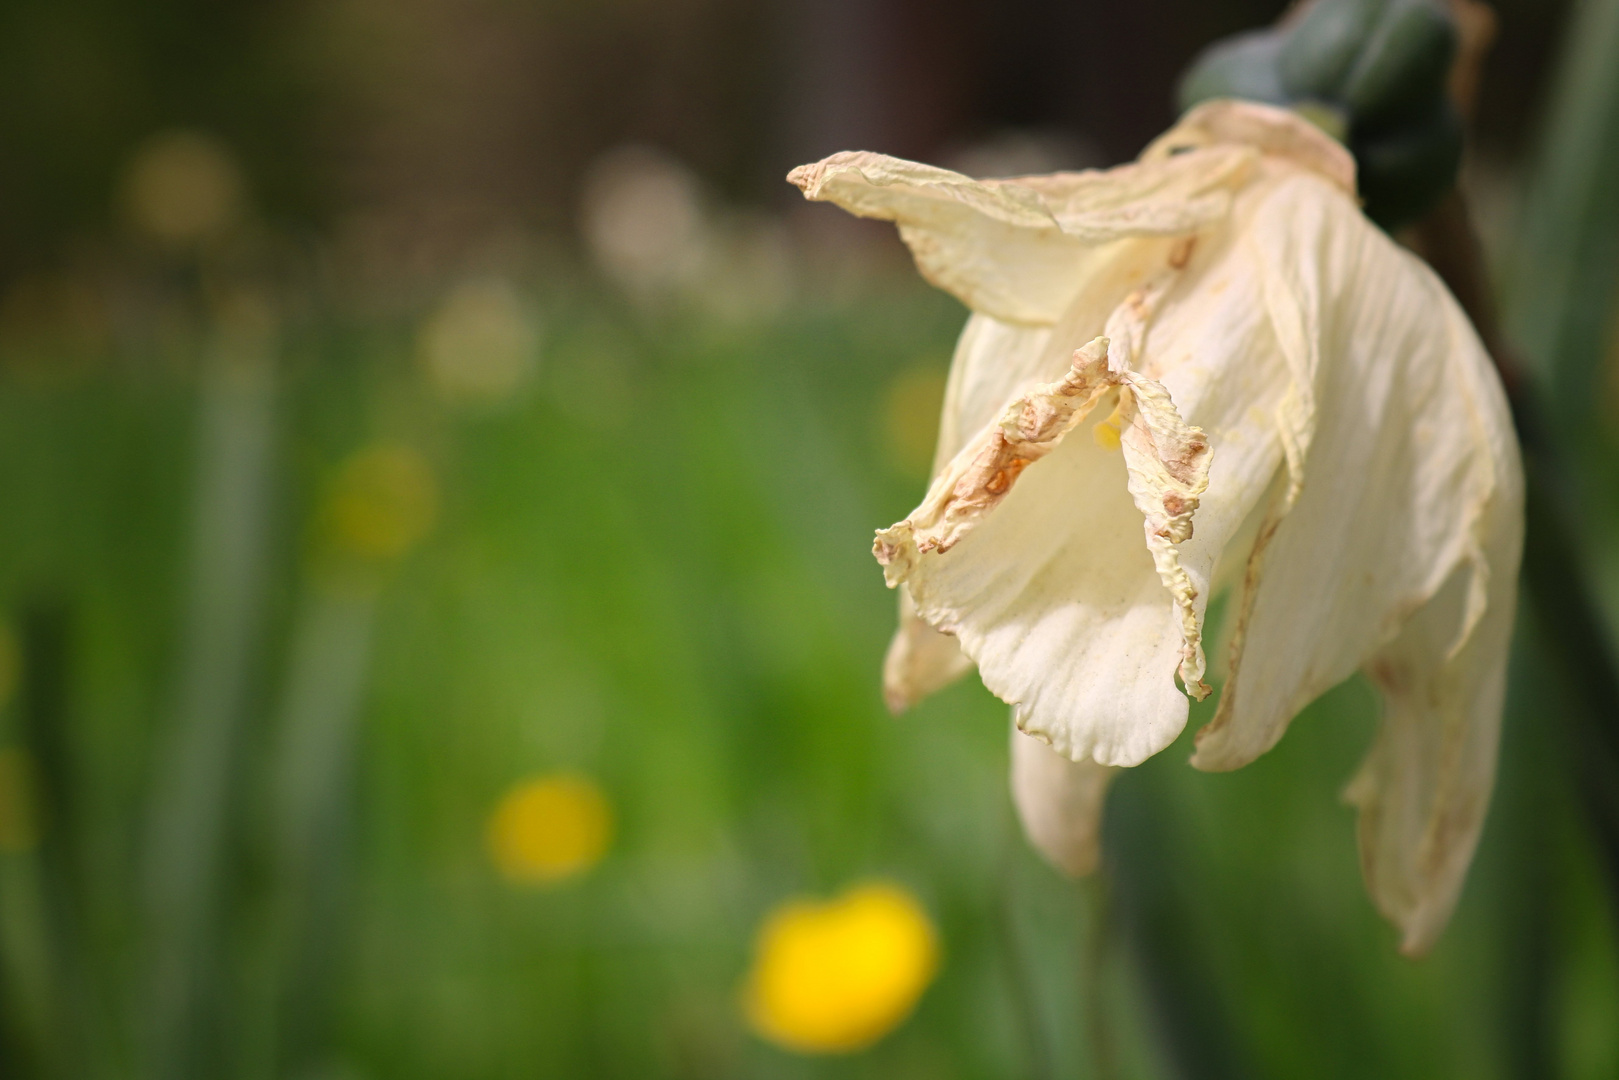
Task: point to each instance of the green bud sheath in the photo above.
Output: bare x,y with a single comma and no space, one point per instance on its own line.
1382,65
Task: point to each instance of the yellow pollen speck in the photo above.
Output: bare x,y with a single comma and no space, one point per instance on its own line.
1106,435
835,977
549,828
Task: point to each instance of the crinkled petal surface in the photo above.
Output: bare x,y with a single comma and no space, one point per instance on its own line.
1020,250
1399,546
1046,576
1083,601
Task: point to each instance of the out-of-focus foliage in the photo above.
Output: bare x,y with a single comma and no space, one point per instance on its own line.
648,566
359,472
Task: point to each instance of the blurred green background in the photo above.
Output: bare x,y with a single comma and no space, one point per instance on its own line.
400,401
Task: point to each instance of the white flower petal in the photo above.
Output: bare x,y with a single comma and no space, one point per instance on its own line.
1278,133
920,659
1054,593
1398,443
1059,802
1020,250
1425,785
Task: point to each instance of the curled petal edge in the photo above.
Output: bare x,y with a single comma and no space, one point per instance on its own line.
1167,462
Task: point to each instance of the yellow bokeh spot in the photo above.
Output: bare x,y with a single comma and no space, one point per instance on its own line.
183,186
835,977
481,343
19,828
911,418
382,501
548,828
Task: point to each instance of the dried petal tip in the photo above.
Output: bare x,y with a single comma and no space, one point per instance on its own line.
982,475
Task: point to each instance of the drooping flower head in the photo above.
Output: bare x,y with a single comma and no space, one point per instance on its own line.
1280,398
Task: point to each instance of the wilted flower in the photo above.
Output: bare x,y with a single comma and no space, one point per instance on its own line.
1270,368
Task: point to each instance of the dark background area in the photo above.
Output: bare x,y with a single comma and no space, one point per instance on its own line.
448,119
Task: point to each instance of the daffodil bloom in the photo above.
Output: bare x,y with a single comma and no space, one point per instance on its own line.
1280,398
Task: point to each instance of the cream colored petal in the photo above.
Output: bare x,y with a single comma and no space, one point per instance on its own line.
1143,198
1403,462
1278,133
1054,594
1076,609
1020,250
994,362
1425,785
1060,803
920,659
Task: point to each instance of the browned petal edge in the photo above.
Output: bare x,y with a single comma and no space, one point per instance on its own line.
1422,910
1251,574
1168,462
982,474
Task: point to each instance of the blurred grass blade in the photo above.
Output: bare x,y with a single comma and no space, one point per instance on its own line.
190,807
73,1041
1198,1036
1566,261
312,778
1559,312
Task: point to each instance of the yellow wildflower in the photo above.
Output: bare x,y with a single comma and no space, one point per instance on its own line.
383,500
835,977
548,828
